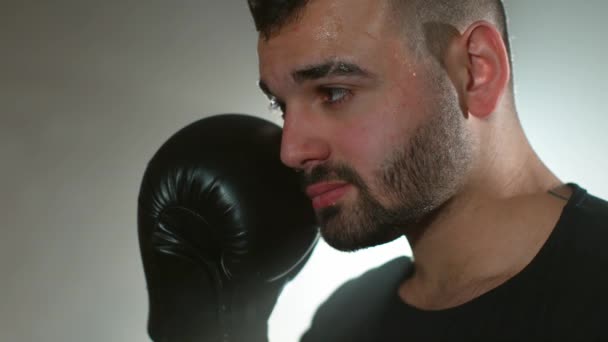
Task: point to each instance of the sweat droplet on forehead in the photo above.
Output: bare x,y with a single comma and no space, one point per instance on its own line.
330,19
328,29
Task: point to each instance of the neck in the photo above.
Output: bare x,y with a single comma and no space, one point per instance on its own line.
467,248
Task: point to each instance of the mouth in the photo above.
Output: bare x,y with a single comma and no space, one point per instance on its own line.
326,194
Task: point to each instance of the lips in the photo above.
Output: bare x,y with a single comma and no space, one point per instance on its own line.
326,194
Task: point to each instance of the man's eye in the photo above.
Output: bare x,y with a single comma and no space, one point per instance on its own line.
335,95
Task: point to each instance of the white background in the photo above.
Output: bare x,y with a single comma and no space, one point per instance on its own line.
90,89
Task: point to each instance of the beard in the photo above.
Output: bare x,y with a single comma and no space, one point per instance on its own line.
415,180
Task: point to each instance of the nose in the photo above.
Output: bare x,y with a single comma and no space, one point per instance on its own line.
303,145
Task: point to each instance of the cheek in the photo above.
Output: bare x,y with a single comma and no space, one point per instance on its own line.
366,145
375,136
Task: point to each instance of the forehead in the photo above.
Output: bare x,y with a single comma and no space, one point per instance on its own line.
353,30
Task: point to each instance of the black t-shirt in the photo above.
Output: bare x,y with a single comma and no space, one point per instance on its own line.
562,295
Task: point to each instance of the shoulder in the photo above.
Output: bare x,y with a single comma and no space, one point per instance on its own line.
586,220
576,282
349,311
590,207
581,237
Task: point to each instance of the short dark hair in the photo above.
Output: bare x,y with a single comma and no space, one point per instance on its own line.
422,20
271,15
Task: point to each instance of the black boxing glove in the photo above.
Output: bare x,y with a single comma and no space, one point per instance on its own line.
223,226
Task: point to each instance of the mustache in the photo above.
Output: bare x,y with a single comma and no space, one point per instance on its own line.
328,172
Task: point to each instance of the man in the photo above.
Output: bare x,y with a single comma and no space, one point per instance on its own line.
400,117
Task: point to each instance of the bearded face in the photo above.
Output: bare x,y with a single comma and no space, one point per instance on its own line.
413,181
375,131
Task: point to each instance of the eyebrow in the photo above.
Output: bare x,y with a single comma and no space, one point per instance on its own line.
322,70
327,69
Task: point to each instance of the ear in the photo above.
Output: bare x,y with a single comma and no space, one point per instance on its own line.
480,66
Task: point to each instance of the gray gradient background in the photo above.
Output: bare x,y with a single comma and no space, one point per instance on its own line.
90,89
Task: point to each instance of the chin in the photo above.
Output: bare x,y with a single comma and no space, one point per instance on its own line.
348,235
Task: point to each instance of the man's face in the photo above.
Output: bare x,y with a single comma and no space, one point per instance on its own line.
377,135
